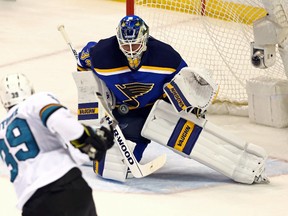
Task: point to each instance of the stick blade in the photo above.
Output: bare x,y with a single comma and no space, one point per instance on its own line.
151,167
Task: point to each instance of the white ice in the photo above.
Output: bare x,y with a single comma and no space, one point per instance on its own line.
31,44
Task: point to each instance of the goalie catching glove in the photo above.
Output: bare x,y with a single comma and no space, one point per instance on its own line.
95,143
192,90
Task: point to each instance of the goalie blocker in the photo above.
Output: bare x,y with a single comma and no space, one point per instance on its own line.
201,140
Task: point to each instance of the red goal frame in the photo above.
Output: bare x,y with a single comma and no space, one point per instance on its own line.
130,7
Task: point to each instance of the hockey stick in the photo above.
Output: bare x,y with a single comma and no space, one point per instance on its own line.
68,41
138,170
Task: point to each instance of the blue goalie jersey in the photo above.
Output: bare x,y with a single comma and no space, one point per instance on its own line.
139,87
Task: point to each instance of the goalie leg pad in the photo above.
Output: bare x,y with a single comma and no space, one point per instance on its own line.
205,142
112,166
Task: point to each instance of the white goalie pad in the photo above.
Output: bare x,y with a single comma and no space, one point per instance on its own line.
90,111
113,166
190,88
206,143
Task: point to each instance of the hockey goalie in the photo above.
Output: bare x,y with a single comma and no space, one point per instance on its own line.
180,125
120,78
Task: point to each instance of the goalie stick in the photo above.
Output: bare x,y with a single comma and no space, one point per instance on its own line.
68,41
138,170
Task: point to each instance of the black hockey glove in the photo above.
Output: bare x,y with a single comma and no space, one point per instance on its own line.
95,143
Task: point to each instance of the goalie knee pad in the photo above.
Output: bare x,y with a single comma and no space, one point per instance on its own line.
206,143
112,166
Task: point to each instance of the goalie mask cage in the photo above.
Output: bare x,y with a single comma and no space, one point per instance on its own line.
215,34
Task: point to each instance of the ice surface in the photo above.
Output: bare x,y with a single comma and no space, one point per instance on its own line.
30,43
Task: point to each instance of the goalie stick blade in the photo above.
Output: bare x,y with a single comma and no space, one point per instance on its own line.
150,167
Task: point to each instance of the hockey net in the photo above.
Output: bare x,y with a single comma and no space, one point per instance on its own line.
215,34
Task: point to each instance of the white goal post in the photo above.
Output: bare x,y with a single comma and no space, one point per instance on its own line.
215,34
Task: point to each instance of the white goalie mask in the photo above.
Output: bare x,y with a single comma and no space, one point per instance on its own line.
15,88
132,35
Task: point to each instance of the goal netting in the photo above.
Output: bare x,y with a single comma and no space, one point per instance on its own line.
215,34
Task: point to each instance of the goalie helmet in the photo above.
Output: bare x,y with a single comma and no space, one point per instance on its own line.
15,88
132,35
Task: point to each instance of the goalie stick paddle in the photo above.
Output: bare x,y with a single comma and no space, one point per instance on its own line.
138,170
